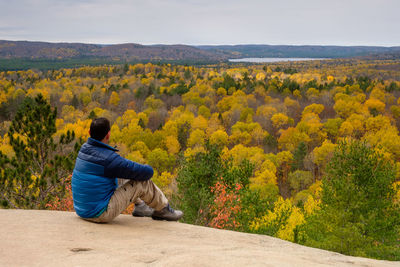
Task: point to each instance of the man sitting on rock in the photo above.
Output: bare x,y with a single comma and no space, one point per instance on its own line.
94,181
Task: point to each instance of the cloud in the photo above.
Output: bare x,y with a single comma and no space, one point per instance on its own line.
203,21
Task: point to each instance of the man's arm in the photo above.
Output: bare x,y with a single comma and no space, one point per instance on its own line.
119,167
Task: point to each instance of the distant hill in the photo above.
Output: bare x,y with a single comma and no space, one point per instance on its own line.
127,52
301,51
16,55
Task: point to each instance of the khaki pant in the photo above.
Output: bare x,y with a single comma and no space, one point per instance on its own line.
129,193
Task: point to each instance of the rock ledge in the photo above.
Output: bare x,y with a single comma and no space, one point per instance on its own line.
52,238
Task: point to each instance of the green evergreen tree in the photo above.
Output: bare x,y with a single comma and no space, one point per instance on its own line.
187,74
183,134
141,123
38,170
75,101
92,115
298,157
126,68
358,215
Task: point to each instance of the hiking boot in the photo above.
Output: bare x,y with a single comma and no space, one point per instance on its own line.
142,210
167,213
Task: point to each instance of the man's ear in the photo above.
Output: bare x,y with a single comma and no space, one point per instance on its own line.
108,135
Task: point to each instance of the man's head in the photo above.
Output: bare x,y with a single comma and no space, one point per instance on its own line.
99,129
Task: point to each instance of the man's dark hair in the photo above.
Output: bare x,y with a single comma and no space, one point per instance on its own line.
99,128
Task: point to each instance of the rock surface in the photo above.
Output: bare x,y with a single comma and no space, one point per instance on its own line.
51,238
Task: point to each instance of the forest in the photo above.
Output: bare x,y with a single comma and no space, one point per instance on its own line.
304,151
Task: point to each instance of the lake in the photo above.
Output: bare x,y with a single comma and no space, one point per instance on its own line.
272,59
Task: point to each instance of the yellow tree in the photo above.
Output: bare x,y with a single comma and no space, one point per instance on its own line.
332,126
291,138
375,106
322,154
281,221
279,120
196,138
311,125
219,137
114,99
172,144
345,106
265,180
313,108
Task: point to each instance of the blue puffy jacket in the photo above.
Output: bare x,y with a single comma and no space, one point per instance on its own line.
94,177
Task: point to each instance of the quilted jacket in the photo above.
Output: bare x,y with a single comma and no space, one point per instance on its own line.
94,177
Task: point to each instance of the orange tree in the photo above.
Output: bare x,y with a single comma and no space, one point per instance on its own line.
226,206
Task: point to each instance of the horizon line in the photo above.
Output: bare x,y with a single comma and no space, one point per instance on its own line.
186,44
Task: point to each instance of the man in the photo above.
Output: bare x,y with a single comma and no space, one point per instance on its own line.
94,181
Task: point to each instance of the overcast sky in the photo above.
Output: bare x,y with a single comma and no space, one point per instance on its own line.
294,22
